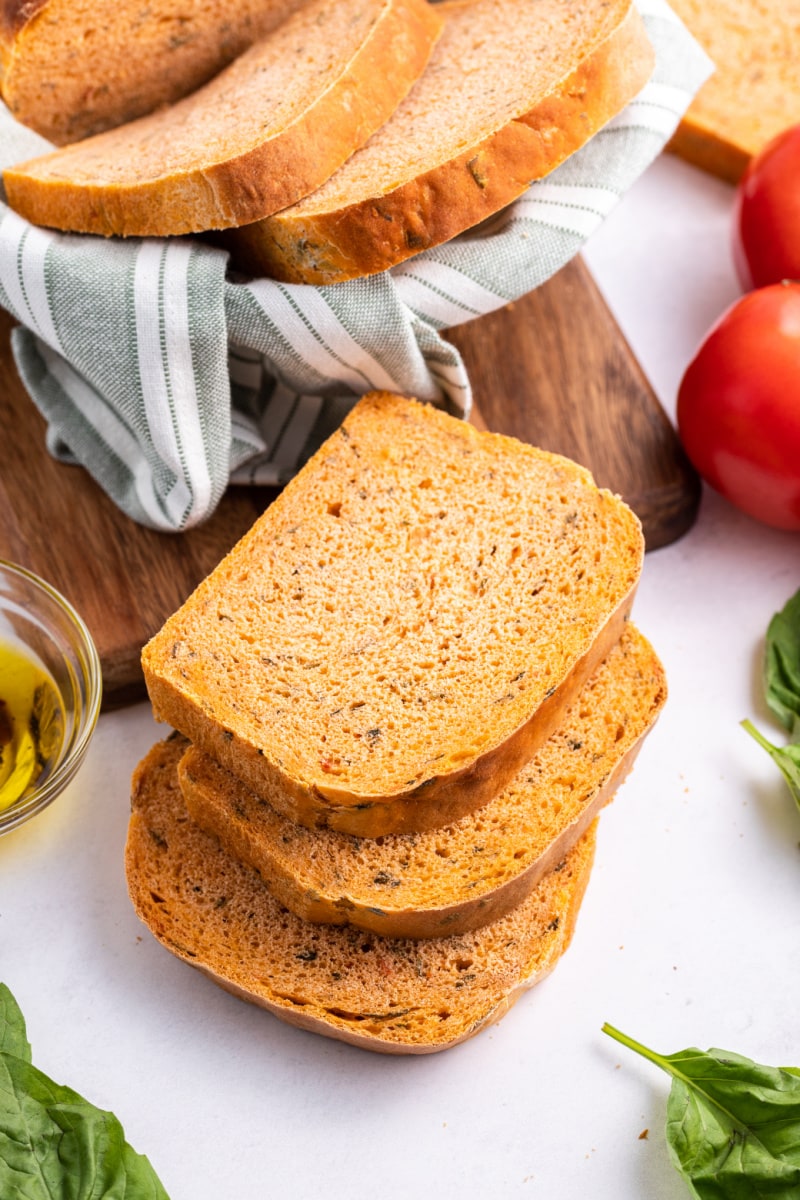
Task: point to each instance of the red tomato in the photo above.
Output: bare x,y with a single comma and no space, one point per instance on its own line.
766,231
739,406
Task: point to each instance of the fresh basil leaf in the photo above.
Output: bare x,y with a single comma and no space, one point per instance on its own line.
782,666
733,1126
54,1145
13,1038
787,758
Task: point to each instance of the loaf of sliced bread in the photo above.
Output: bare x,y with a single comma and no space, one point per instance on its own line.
754,93
512,89
267,130
404,626
69,69
392,995
466,875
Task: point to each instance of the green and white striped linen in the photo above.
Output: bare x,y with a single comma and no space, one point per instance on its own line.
167,379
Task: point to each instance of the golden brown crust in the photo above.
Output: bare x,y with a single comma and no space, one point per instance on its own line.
244,187
462,917
395,996
468,874
321,1023
14,16
709,150
375,234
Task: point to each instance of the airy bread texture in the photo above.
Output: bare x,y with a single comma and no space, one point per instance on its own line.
391,995
466,875
404,627
512,89
754,93
69,69
267,130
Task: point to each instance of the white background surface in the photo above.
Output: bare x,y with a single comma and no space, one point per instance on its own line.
689,933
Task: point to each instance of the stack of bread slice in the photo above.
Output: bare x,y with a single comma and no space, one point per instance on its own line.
400,703
354,134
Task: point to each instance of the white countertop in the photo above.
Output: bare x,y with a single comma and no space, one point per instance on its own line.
688,935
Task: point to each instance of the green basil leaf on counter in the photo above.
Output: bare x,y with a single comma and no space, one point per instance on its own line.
786,758
733,1126
13,1038
54,1145
782,666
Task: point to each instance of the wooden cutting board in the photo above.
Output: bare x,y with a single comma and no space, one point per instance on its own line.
552,369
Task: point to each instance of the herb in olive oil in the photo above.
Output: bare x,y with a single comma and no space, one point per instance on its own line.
31,722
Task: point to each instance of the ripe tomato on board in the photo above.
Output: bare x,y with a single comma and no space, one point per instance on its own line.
766,229
739,406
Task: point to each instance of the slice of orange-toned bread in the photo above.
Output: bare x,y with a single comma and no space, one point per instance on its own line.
69,69
267,130
512,89
468,874
404,626
754,93
396,996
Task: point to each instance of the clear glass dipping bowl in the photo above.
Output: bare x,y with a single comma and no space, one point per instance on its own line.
37,618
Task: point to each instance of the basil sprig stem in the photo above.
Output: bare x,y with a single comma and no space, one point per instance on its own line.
786,758
670,1066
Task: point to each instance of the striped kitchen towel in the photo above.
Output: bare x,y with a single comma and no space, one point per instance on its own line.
166,378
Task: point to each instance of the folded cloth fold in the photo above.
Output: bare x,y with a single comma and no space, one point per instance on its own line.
167,379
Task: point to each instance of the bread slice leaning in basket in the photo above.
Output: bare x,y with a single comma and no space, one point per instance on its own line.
69,74
267,130
470,873
396,996
404,626
512,89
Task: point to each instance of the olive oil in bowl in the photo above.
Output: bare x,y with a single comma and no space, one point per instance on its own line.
31,722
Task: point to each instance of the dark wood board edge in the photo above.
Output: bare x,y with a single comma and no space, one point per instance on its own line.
555,370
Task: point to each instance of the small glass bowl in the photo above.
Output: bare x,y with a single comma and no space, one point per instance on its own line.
37,619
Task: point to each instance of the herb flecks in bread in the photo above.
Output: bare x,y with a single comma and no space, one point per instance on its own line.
394,996
403,628
468,874
512,89
267,130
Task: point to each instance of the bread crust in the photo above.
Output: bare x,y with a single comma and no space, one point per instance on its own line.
375,234
249,185
330,897
169,863
335,1027
14,16
709,150
437,801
